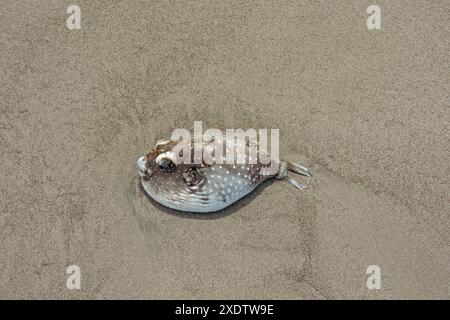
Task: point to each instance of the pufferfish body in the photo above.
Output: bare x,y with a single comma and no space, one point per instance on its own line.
208,187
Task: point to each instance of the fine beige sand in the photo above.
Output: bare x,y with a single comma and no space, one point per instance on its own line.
367,111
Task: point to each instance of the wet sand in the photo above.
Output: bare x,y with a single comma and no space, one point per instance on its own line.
367,111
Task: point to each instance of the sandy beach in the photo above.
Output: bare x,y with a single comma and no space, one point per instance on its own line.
368,111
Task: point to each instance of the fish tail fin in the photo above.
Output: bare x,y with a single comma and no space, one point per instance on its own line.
287,166
298,168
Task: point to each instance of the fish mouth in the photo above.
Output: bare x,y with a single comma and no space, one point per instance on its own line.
141,167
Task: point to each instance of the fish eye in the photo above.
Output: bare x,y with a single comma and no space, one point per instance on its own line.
166,165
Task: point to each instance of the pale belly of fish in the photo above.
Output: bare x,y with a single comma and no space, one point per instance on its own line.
222,186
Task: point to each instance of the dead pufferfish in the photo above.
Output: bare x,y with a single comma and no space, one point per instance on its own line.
206,187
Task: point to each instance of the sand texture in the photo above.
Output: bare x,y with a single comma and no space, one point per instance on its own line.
367,111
